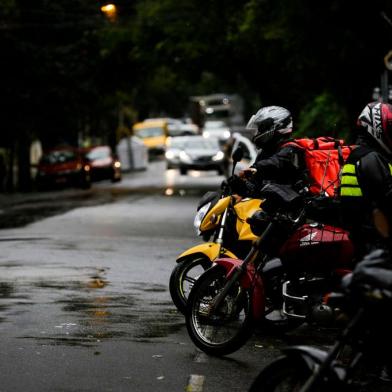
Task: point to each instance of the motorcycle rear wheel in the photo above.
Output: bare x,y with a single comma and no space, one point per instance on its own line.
184,276
283,374
228,327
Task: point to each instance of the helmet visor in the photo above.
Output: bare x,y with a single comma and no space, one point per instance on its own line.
251,123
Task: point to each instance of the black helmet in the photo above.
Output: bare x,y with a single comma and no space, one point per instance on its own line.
271,123
376,119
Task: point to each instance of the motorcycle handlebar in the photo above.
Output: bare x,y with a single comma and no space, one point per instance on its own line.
278,217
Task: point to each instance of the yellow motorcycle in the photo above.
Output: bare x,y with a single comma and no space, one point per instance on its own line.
223,219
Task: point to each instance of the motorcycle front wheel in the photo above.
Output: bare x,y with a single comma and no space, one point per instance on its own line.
183,277
226,329
283,374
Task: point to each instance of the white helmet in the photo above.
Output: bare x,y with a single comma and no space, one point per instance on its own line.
270,123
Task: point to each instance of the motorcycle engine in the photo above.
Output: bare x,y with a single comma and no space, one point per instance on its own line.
322,314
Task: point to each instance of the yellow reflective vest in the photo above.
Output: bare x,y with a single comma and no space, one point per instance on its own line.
349,185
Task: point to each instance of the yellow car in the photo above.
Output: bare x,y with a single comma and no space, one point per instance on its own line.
153,133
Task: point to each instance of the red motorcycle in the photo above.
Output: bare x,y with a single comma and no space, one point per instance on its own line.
279,285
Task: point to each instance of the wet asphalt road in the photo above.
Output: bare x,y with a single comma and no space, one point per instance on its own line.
84,301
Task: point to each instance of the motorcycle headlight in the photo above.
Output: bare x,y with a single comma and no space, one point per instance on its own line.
200,216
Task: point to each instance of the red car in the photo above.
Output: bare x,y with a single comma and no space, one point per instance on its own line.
104,164
63,166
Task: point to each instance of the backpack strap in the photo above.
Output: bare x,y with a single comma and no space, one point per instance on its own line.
340,155
340,147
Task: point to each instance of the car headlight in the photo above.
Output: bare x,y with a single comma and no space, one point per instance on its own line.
218,156
200,216
226,135
169,154
185,157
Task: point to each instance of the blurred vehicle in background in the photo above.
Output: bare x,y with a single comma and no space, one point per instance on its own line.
103,163
178,127
153,132
194,152
217,129
183,127
249,153
220,106
63,166
132,153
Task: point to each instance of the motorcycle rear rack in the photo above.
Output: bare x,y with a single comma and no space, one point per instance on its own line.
293,306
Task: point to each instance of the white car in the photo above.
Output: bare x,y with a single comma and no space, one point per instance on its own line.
217,129
194,153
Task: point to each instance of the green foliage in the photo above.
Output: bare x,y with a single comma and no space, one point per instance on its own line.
323,116
69,69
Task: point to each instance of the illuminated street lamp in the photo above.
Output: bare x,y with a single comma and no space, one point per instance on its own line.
110,11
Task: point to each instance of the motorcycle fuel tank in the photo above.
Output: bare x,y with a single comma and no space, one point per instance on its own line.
317,247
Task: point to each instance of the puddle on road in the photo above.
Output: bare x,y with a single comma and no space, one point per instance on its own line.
55,284
9,297
111,316
95,311
151,288
6,289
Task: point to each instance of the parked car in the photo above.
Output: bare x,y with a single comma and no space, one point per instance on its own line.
194,152
103,163
63,166
217,129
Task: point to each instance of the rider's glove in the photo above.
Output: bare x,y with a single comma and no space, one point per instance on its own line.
237,185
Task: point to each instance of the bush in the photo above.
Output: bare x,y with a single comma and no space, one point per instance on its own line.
323,116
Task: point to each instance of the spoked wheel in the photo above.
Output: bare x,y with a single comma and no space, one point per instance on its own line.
226,329
183,277
285,374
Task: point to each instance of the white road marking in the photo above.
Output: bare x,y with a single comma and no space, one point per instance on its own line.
195,383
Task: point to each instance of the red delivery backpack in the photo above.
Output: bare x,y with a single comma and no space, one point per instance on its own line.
324,158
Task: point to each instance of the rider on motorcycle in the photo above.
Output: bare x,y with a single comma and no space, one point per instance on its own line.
273,126
366,180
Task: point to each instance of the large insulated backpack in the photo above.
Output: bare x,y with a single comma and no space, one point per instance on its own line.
324,158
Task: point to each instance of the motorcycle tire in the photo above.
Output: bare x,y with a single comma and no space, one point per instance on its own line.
285,373
183,277
230,326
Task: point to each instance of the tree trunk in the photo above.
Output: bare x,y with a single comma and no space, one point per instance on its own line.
23,157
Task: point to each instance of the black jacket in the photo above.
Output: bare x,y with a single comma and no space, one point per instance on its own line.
282,165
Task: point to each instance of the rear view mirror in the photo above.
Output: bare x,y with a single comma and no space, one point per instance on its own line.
237,154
